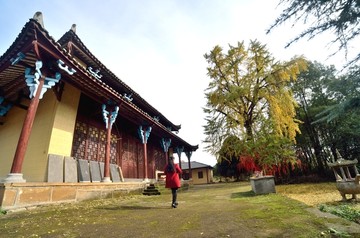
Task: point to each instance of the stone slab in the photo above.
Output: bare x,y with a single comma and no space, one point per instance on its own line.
70,170
102,166
121,174
55,168
114,173
83,170
95,171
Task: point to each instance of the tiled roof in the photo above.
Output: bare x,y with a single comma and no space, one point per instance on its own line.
34,40
71,41
194,165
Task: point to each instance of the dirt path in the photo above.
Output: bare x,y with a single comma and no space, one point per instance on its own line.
218,210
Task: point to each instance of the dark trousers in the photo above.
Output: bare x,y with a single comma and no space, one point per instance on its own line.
174,195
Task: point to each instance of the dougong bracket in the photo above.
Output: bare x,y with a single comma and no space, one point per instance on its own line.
64,67
179,150
165,144
32,81
49,83
20,56
188,154
144,135
106,115
128,97
94,73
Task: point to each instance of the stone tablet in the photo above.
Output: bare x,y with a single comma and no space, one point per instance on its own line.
102,166
70,170
55,168
95,171
114,173
83,170
121,175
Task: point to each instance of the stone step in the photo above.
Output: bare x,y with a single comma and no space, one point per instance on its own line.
151,190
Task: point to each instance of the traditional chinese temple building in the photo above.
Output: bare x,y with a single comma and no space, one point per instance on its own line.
57,100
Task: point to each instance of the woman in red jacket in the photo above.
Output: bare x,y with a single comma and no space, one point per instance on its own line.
172,172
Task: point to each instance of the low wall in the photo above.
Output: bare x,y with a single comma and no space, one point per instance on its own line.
14,196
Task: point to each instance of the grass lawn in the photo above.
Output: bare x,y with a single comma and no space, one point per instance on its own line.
216,210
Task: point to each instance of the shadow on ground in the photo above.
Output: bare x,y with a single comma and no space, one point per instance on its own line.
243,194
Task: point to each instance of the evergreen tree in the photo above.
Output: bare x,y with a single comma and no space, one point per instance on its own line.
338,17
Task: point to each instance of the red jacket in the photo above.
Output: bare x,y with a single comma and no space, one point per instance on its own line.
172,178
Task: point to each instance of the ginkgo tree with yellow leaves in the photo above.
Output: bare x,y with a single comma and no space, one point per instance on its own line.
249,97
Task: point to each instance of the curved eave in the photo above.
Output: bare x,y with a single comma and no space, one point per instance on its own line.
12,78
110,78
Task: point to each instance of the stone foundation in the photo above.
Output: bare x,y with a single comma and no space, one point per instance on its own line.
15,196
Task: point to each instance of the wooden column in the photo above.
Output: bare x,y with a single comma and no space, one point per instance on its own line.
109,119
144,136
35,83
145,162
26,130
107,153
188,154
179,150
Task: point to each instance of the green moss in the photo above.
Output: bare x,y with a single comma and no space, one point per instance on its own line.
218,210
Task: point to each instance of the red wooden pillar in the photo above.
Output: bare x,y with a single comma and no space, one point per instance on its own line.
179,150
188,155
144,136
107,153
15,173
109,119
145,162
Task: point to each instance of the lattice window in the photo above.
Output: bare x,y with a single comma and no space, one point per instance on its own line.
93,143
113,149
79,143
89,143
102,145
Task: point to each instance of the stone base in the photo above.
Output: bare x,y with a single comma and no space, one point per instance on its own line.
17,196
106,180
263,185
14,178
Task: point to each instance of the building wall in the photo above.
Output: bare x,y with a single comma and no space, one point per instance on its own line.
62,134
9,136
53,133
36,157
206,178
44,139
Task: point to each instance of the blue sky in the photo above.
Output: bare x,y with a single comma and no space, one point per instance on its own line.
157,47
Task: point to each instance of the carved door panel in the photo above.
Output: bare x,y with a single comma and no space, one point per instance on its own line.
129,161
89,143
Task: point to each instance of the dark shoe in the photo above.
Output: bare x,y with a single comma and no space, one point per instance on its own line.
174,205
